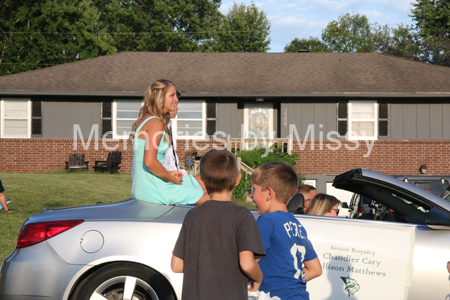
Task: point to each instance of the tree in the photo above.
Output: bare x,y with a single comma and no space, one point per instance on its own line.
312,45
350,33
354,33
159,25
243,29
402,41
432,17
436,50
39,34
429,41
433,23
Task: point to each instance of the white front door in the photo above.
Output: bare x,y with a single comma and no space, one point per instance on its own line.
258,120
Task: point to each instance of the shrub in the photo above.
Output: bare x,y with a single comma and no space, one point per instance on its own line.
254,158
241,191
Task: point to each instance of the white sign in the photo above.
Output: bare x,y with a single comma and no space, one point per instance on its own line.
361,260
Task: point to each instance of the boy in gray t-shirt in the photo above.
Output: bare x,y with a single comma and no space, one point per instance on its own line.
219,242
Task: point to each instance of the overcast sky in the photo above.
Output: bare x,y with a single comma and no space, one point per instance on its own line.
291,19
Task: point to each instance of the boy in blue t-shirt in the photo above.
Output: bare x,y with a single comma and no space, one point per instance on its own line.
291,260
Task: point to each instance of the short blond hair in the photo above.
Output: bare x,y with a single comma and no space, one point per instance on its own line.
279,176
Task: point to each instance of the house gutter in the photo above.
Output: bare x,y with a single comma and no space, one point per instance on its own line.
230,95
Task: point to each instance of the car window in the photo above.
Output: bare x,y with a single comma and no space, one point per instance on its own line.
434,184
435,187
446,194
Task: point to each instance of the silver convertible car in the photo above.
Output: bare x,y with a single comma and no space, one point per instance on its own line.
122,250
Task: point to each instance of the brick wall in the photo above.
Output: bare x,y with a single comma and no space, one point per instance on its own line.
390,157
46,155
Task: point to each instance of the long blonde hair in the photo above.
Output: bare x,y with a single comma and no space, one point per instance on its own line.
320,204
154,105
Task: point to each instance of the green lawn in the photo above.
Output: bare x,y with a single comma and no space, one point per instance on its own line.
31,193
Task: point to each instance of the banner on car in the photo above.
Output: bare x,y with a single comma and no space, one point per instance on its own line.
361,260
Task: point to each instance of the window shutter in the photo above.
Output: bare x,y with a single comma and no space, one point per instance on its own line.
36,115
342,118
383,119
342,110
210,118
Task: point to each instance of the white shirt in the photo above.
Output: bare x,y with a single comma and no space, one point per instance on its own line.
170,158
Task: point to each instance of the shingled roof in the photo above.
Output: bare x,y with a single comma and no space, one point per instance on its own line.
236,74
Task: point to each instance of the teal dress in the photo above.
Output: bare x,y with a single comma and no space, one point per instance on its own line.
149,187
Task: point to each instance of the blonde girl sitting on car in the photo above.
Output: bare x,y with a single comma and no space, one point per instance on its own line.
151,139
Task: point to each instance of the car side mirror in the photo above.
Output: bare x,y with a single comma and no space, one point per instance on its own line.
437,219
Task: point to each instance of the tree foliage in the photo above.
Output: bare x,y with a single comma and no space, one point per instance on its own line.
36,34
243,29
428,41
312,45
432,19
350,33
159,25
402,41
49,32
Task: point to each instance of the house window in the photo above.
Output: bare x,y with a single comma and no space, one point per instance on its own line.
124,114
363,120
16,118
36,122
191,120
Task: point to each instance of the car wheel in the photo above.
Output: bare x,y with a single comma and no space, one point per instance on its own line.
121,281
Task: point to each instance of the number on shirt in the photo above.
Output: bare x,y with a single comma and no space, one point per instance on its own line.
298,265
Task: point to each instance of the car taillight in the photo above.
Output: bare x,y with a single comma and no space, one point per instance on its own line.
35,233
361,209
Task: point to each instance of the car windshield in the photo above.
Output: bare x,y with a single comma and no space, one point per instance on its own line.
416,206
387,205
399,204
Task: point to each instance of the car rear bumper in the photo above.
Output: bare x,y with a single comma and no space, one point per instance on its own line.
36,272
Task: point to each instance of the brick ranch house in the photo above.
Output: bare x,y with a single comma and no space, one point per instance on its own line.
396,109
